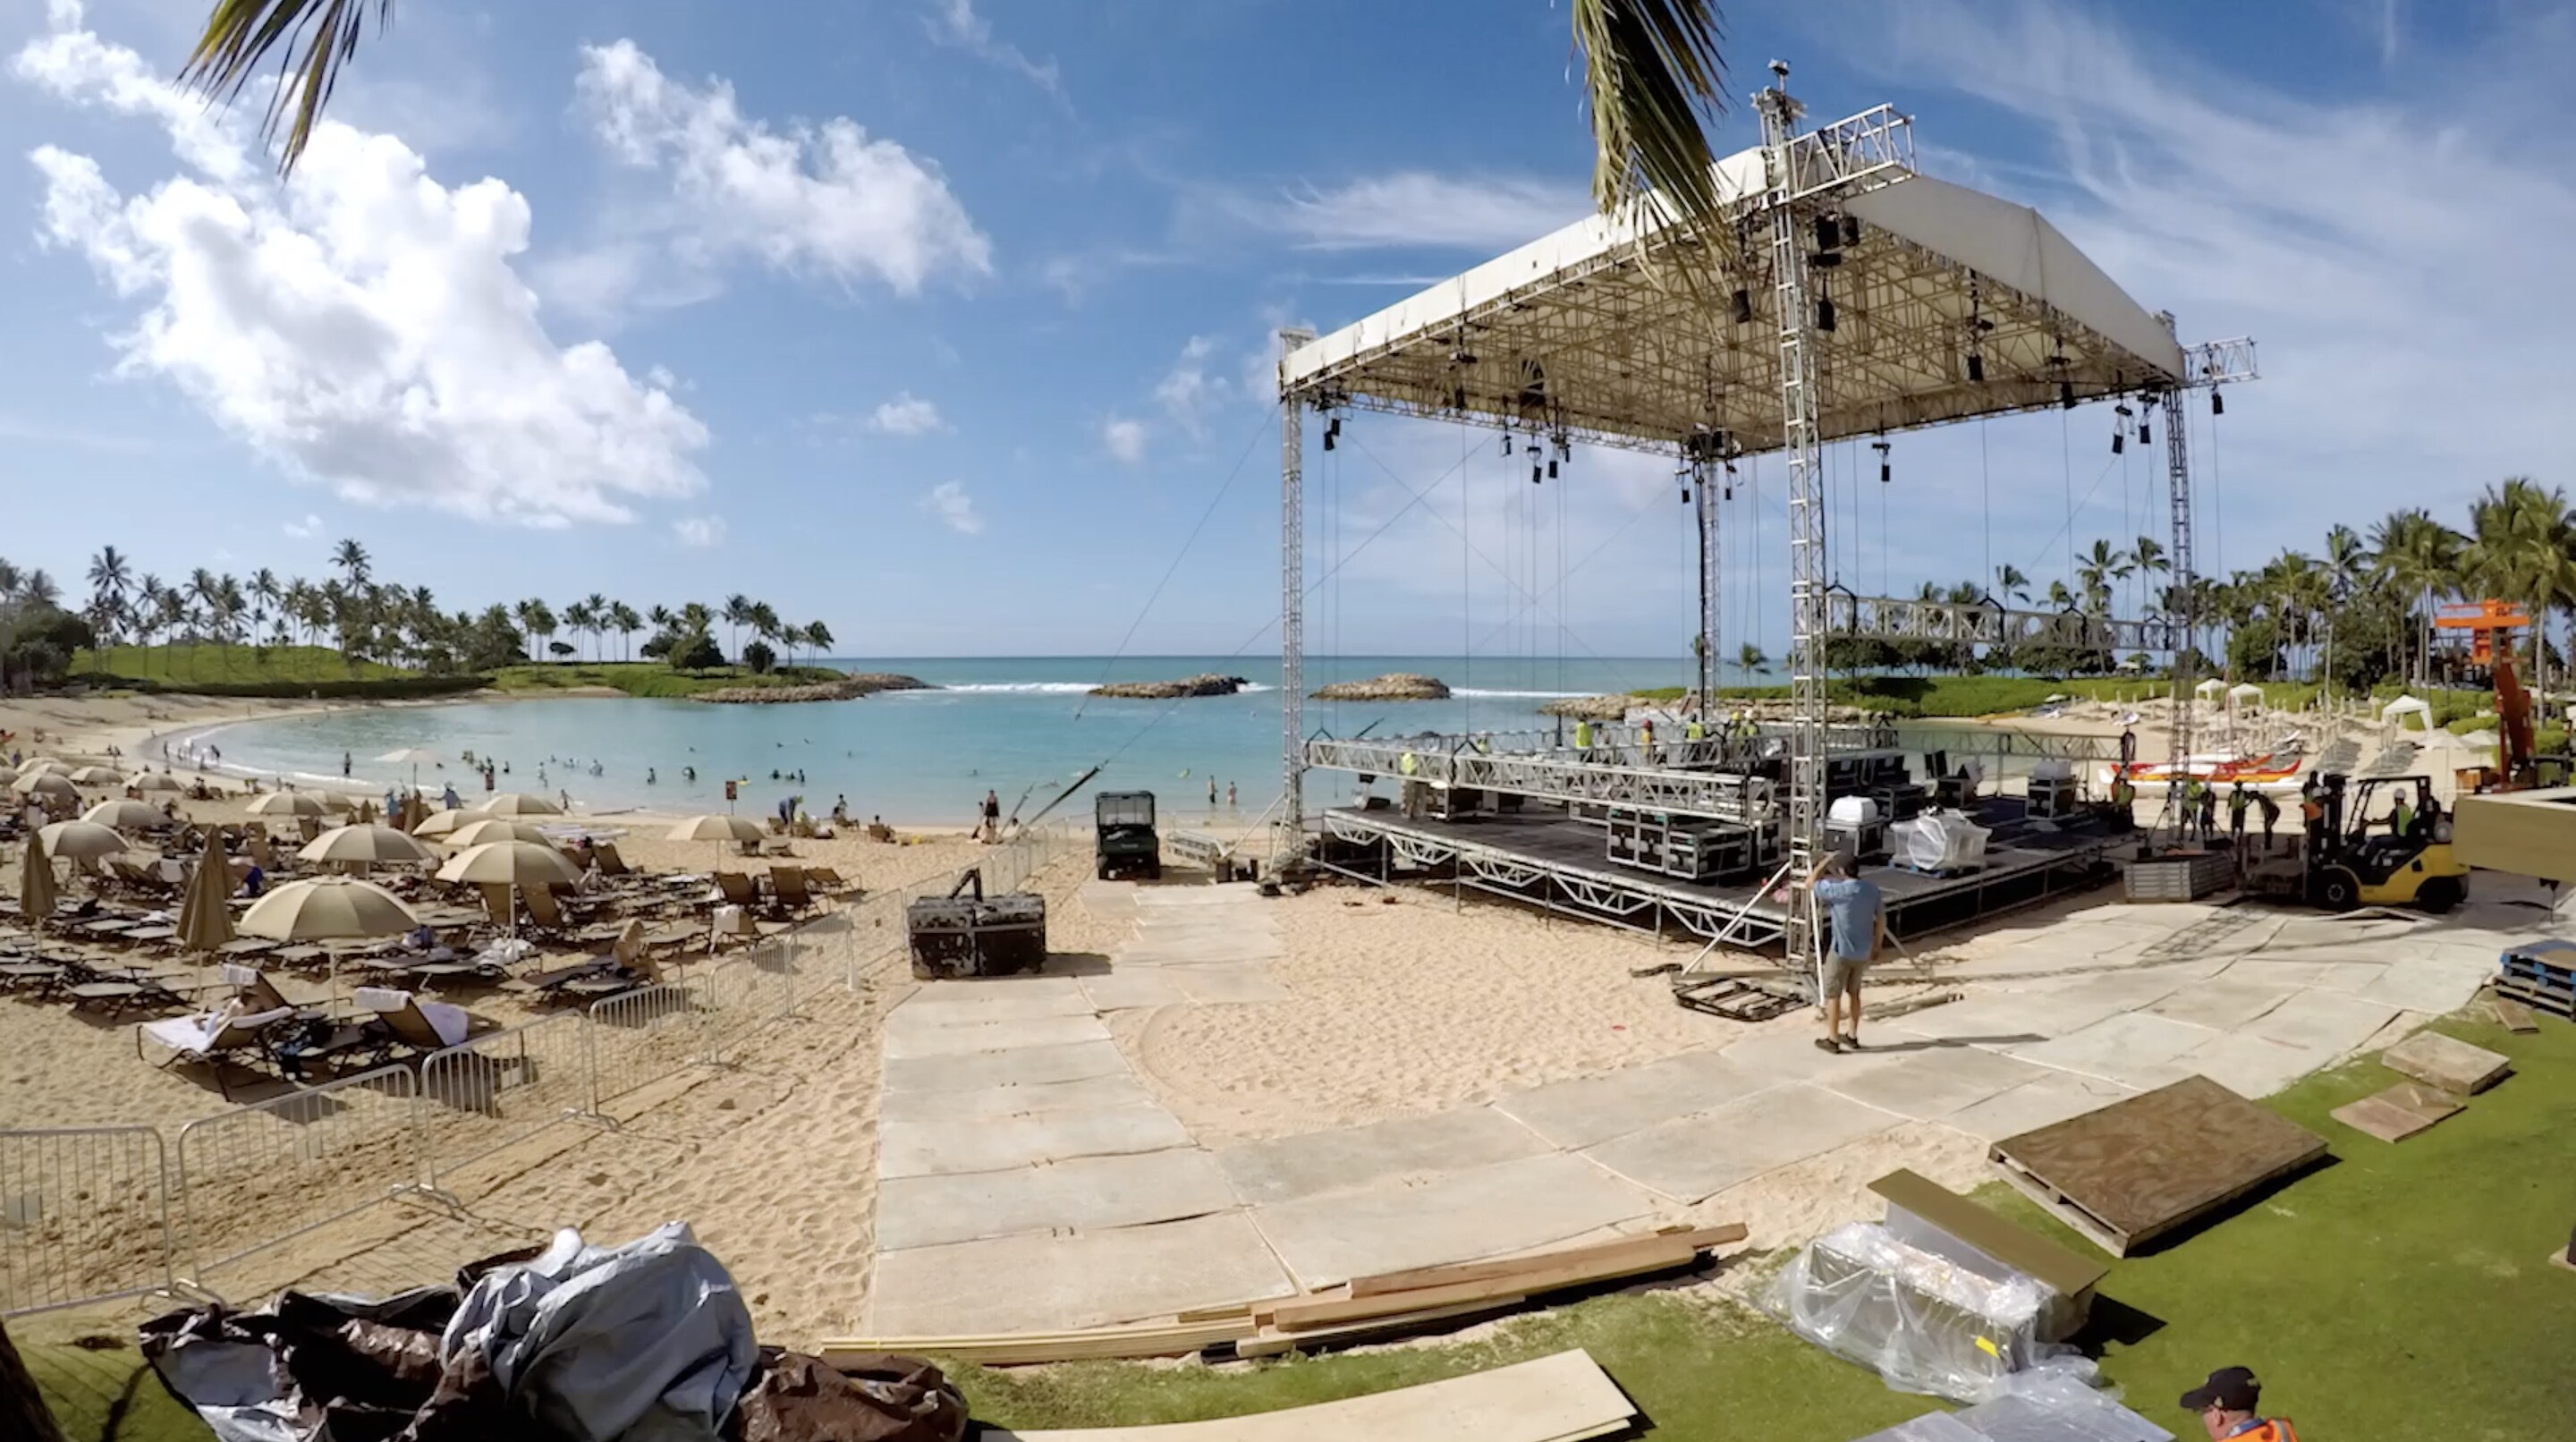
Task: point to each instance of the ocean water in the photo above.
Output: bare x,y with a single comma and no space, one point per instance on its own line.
1020,727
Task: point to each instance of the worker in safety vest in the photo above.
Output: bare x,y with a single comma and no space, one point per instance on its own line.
2312,816
1409,766
1694,731
2191,810
2238,801
2400,817
1583,735
2226,1404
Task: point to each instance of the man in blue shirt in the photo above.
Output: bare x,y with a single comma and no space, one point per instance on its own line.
1854,922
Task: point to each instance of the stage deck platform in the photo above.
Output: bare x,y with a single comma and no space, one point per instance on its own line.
1547,858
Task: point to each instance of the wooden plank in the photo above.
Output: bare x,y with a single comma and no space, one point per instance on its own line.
1418,1278
2064,1271
2397,1113
1652,1254
2144,1165
2512,1015
1561,1398
2446,1062
1011,1349
1272,1341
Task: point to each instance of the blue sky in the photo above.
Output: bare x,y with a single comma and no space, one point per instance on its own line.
945,323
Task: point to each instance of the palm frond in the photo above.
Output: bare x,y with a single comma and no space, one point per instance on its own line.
311,41
1654,80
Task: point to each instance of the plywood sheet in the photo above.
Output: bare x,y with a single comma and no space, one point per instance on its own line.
1084,1194
2397,1113
1292,1167
1025,1066
1089,1094
1934,1082
1594,1109
2137,1168
923,1149
1551,1399
1700,1156
2446,1062
1038,1283
943,1034
1460,1216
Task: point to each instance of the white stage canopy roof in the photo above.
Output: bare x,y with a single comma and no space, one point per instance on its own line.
1590,331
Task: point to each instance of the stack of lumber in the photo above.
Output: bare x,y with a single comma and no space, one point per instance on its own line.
1562,1398
1388,1304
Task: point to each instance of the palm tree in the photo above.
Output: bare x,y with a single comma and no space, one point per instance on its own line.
818,638
578,619
2011,584
1749,658
737,614
266,595
37,588
2519,549
352,559
623,620
111,575
2420,557
2099,570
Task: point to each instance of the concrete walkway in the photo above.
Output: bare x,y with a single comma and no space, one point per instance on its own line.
1028,1180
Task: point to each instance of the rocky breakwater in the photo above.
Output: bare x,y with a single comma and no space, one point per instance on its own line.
848,688
1394,686
1171,690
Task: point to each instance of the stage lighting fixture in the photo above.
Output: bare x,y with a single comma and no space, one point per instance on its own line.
1328,440
1825,316
1976,369
2217,402
1743,306
2145,437
1829,233
1507,444
2066,394
1551,468
1533,473
1886,473
2119,439
1851,230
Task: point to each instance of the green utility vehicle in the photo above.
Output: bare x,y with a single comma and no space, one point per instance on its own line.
1124,843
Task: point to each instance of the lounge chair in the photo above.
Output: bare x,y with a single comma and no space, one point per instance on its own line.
825,879
413,1024
787,884
630,968
214,1037
737,888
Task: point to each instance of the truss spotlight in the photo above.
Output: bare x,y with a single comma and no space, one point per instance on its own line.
2145,437
1685,495
1743,306
2217,402
2066,394
1825,320
1507,445
1329,437
1851,230
2118,440
1534,473
1829,232
1886,473
1551,468
1976,369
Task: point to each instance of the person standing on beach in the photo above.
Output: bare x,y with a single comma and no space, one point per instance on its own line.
2237,801
344,765
1856,920
1229,796
2271,816
992,830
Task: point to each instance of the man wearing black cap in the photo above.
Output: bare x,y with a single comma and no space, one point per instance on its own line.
2226,1405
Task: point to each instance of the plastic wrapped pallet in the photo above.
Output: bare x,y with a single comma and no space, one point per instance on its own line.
1938,841
1852,810
2053,1402
1924,1323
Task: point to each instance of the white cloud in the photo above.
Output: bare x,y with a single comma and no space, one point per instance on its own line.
1124,438
304,530
827,201
362,325
954,508
954,22
1187,391
1488,213
906,415
699,530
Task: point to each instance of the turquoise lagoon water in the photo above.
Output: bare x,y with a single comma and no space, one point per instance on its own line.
1020,727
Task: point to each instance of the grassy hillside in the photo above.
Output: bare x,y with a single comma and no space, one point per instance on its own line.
175,667
293,671
648,678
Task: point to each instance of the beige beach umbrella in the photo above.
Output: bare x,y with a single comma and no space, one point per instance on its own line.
36,894
39,763
287,803
337,804
517,863
125,815
491,829
206,915
155,781
97,776
519,803
8,773
367,844
45,783
718,829
442,823
327,908
80,840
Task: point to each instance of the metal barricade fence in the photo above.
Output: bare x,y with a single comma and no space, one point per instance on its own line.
257,1175
639,1038
502,1088
84,1216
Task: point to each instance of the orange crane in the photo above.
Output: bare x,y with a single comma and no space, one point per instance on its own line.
2489,624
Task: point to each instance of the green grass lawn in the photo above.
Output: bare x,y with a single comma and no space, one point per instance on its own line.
648,678
173,667
2401,1291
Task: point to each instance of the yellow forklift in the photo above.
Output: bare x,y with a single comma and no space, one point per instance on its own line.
2374,863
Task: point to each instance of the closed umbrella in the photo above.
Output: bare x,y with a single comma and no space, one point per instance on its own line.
718,829
327,908
366,844
206,916
491,829
36,895
155,781
45,783
519,803
287,803
97,776
81,840
125,815
515,864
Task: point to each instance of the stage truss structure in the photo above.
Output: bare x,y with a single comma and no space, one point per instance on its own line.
1867,299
